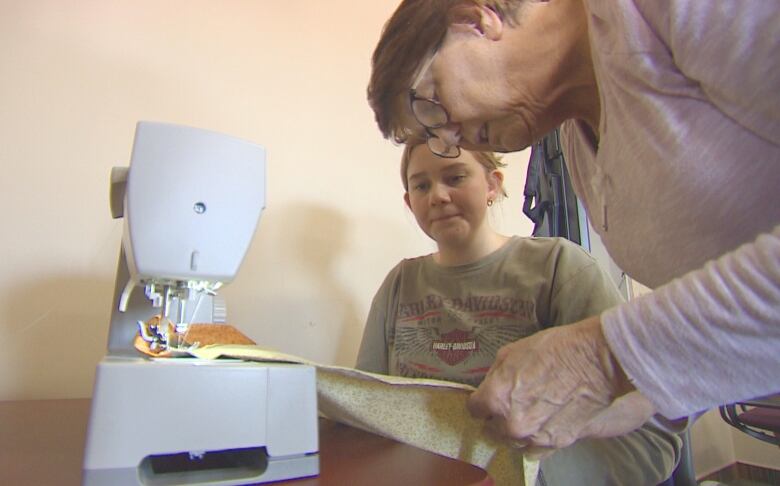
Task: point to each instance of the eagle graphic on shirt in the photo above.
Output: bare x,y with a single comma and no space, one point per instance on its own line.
457,339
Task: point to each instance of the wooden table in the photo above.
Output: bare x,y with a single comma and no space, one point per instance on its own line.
42,443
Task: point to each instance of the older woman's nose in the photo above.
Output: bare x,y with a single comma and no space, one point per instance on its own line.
449,134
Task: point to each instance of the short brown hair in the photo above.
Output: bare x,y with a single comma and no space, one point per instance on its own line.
411,33
489,160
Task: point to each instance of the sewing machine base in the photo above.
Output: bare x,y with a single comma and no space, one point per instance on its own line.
260,472
189,421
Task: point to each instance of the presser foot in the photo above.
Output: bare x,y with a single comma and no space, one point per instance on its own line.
160,337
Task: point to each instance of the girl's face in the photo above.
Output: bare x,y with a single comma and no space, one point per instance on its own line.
449,197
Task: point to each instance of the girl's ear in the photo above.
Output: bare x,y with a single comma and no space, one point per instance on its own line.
480,20
406,200
495,184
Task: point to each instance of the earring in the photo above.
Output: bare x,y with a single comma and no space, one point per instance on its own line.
490,202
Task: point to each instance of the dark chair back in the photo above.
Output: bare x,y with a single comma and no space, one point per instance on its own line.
759,418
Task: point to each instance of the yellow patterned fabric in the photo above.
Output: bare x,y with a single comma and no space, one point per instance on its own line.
428,414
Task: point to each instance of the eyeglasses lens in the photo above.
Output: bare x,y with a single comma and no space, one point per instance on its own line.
441,149
429,114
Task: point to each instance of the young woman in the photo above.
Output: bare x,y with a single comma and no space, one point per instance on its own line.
445,315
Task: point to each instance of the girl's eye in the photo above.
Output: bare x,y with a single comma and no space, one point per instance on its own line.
422,186
456,179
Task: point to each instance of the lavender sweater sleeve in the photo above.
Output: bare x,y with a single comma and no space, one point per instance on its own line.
708,338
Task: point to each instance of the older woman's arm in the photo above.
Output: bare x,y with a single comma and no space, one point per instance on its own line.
706,339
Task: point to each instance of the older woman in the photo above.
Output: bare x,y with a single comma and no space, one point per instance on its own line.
670,117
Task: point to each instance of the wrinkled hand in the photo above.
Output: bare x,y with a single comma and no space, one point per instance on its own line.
557,386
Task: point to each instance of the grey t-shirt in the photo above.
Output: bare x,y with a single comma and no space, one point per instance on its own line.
432,321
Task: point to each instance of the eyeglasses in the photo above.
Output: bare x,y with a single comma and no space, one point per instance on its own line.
431,114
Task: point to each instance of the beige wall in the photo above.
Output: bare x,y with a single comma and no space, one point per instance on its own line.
716,445
76,76
752,451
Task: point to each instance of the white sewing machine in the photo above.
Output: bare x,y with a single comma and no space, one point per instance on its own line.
191,200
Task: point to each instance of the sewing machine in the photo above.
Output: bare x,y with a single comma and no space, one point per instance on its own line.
190,200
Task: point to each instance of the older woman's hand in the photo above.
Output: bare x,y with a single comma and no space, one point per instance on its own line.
557,386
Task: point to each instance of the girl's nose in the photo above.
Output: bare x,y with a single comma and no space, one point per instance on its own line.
439,194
